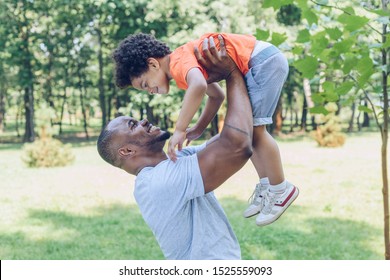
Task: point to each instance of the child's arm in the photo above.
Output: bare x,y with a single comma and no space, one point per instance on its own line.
197,86
216,97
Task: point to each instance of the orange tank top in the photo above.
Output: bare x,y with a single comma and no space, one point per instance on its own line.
182,59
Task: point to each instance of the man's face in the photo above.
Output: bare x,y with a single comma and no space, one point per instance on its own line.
140,133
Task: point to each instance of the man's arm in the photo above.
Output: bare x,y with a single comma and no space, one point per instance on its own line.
231,150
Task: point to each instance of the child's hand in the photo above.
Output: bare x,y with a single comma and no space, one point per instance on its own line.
177,139
193,133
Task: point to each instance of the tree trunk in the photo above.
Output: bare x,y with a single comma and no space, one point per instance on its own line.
83,111
309,101
350,125
276,127
27,77
2,108
64,97
385,132
29,134
102,97
366,117
304,115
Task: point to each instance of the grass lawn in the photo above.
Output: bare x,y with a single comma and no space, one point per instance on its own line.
87,210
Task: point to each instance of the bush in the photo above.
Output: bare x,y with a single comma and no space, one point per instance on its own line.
47,152
329,134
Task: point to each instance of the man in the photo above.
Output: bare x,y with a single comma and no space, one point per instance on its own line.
176,198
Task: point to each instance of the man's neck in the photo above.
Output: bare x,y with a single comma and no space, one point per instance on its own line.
151,162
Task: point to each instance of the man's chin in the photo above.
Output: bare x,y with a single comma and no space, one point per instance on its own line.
164,136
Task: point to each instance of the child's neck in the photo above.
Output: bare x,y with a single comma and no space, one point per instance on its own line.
164,62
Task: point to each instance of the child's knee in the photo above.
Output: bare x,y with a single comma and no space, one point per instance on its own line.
259,132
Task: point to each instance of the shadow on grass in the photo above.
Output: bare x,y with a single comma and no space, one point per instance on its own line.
119,232
298,236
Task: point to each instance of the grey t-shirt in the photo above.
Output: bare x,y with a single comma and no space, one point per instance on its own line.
187,223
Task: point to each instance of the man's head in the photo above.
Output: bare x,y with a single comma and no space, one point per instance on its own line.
138,63
131,144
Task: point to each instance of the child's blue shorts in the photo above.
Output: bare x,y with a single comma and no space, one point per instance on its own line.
267,73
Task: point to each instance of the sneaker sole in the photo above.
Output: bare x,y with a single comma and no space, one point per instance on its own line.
252,212
295,195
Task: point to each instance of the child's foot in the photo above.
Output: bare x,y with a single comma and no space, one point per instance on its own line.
275,204
256,201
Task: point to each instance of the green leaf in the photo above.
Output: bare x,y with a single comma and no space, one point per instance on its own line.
310,16
381,12
298,50
328,86
262,35
319,43
387,43
349,63
286,2
318,98
272,4
365,109
352,22
276,4
319,110
350,10
365,65
331,96
303,36
307,66
344,88
301,4
345,45
278,38
334,33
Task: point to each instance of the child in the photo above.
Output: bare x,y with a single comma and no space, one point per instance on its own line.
148,64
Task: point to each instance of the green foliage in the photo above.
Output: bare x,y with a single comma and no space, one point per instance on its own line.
289,15
328,133
47,152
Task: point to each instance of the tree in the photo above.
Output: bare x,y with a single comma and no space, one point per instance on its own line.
20,22
351,47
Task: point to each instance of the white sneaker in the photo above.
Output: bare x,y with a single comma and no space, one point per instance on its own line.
275,204
256,201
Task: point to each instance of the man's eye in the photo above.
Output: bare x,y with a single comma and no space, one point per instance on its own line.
131,124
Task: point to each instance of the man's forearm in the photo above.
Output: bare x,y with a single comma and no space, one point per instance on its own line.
239,121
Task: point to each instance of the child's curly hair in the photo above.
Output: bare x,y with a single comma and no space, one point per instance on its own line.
132,54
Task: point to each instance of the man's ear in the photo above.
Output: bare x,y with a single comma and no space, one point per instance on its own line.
127,151
153,63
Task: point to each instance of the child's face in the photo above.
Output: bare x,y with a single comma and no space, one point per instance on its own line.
154,81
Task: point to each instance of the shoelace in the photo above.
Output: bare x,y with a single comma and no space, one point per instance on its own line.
256,193
268,202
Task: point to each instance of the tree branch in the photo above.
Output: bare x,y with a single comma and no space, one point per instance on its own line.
371,104
344,11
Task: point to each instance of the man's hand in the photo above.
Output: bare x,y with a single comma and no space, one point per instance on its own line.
193,133
218,64
177,139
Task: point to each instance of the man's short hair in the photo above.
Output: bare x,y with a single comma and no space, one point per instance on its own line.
105,149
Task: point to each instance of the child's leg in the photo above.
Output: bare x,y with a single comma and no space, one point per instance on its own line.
265,79
266,156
